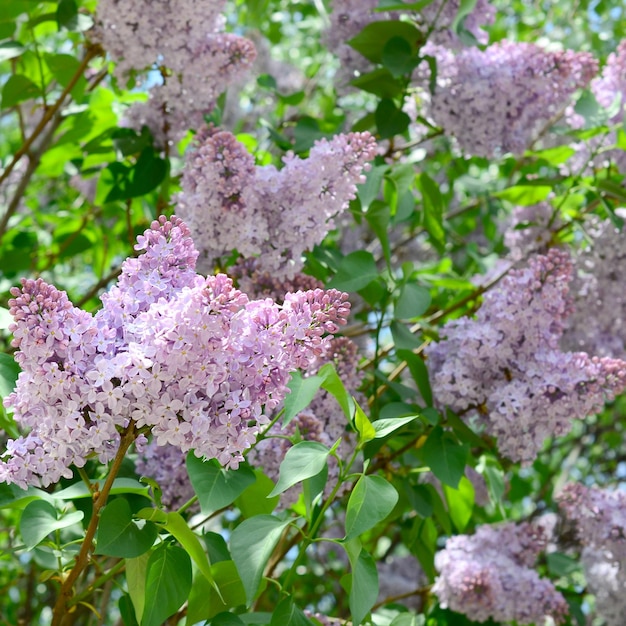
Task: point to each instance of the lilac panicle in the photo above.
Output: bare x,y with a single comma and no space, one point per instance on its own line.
489,575
273,215
190,357
505,368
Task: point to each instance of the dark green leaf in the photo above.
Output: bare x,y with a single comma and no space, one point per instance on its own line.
204,601
356,270
363,583
215,486
445,457
560,564
371,501
168,583
380,82
251,545
398,56
412,302
419,371
288,614
378,217
118,535
390,120
371,41
433,208
403,338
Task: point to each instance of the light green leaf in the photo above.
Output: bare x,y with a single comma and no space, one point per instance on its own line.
168,583
412,302
304,460
332,383
205,602
251,544
363,425
17,89
460,503
384,427
136,569
371,501
39,519
303,390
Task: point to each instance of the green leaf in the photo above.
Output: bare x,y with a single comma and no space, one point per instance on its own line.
460,503
288,614
390,120
371,501
332,383
363,425
369,190
64,68
525,195
9,371
303,390
356,270
403,338
364,581
254,500
380,82
251,544
127,610
132,182
419,371
39,519
118,535
560,564
204,602
399,57
10,50
120,485
17,89
433,208
168,583
304,460
136,569
384,427
215,486
68,17
227,619
378,217
408,619
412,302
371,41
445,457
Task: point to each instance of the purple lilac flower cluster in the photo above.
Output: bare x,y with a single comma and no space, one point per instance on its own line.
609,87
274,215
489,575
190,357
505,368
599,519
494,101
322,421
186,42
598,282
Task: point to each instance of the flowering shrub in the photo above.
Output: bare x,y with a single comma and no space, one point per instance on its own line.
311,313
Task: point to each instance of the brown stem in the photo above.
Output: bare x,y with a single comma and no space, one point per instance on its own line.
90,53
61,616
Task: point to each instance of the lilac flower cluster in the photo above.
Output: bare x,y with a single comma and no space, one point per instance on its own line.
495,100
599,519
489,575
599,151
598,282
506,370
274,215
185,41
190,358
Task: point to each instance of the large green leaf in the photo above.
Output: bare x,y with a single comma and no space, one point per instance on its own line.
371,41
168,583
288,614
356,270
39,519
412,302
251,544
445,456
118,535
304,460
371,501
386,426
363,581
17,89
215,486
460,503
136,569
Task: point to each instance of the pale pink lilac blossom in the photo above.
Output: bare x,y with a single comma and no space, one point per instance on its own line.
259,211
489,575
189,358
504,370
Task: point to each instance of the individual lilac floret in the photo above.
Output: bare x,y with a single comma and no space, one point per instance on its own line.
190,357
505,368
489,575
598,283
184,40
495,101
274,215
